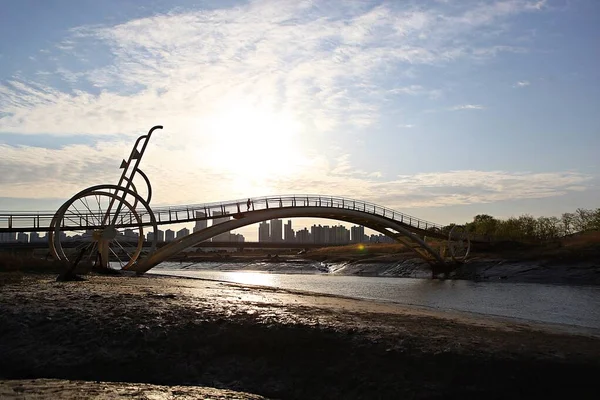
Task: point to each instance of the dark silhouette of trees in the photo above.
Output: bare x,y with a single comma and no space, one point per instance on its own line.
526,227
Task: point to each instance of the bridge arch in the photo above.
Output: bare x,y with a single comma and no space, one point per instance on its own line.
387,226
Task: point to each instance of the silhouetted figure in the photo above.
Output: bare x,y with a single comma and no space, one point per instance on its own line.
249,203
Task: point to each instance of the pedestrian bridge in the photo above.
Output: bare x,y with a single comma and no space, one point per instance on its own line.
110,222
89,215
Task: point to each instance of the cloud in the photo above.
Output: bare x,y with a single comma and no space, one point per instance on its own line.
467,107
178,178
219,79
324,65
522,84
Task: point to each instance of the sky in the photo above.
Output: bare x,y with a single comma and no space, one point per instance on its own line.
442,109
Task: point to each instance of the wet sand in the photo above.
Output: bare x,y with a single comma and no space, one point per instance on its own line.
274,343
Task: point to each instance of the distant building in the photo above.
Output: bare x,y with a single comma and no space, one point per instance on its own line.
34,237
222,237
236,238
150,236
202,223
160,236
357,234
129,235
381,239
339,234
182,233
288,232
303,236
8,237
276,230
264,233
317,234
22,237
169,235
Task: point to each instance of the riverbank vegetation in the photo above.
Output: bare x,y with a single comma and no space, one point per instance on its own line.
528,228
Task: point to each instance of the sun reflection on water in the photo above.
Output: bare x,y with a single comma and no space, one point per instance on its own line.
252,278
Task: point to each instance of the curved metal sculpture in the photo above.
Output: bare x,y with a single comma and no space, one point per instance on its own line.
459,243
114,223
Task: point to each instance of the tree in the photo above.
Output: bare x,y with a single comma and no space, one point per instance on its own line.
547,228
527,225
567,220
484,225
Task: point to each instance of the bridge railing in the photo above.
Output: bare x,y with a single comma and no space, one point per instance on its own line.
27,221
235,207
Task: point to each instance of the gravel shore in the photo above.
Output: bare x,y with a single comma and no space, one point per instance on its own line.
207,335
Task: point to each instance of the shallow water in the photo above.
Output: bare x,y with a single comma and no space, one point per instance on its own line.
559,304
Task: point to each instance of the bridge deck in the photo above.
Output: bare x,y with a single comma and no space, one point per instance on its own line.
40,221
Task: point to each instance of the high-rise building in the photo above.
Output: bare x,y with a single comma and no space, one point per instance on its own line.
339,235
202,223
169,235
276,230
381,239
288,232
222,237
183,232
318,234
150,236
160,236
22,237
236,237
8,237
34,237
357,234
264,234
303,236
129,235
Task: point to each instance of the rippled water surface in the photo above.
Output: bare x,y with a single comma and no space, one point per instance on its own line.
571,305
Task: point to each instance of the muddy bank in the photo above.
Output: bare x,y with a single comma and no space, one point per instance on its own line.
277,343
477,268
570,260
61,389
486,269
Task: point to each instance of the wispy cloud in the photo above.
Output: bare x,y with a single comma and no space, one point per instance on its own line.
520,84
216,78
317,62
31,172
467,107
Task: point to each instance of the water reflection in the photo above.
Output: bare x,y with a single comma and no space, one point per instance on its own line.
571,305
251,278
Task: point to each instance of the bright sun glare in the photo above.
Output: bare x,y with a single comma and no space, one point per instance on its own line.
254,141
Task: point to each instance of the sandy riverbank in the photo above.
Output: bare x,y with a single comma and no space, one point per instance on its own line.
276,343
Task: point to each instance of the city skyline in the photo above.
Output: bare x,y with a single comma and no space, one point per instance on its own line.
318,234
439,109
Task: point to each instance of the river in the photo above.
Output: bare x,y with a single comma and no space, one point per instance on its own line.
556,304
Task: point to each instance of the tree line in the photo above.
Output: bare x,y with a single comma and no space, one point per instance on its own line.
526,227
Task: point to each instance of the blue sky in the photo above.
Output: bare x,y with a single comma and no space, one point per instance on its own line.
442,108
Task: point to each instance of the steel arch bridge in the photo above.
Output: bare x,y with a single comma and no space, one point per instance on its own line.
109,221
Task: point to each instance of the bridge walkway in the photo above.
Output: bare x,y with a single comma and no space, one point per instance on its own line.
28,221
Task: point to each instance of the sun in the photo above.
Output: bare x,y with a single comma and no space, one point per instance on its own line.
254,141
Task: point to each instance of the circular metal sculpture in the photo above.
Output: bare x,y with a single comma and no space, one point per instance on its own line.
105,223
459,243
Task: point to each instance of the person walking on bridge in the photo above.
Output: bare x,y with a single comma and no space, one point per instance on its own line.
249,203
